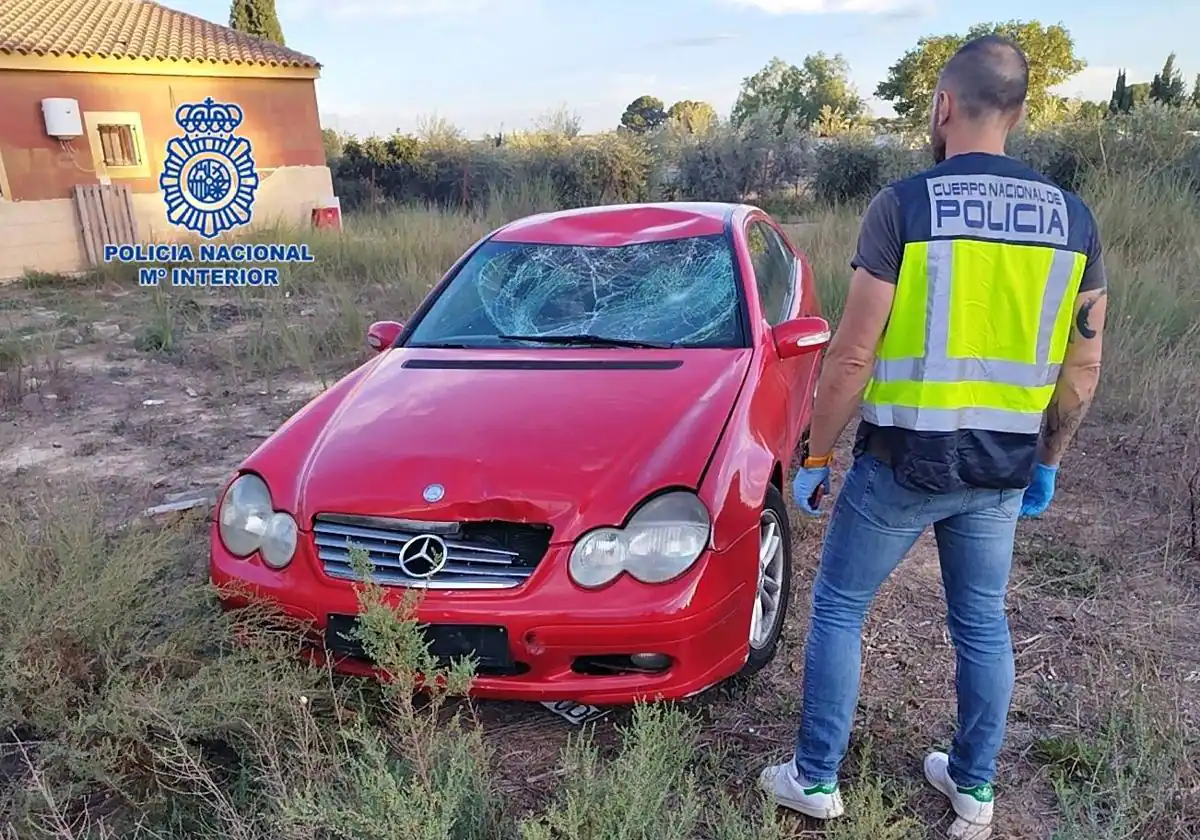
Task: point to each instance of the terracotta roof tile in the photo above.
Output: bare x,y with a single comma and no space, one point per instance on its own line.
131,29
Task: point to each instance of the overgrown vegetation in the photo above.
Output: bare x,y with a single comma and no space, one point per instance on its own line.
757,159
131,707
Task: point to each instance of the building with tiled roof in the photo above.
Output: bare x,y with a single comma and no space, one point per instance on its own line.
138,32
89,91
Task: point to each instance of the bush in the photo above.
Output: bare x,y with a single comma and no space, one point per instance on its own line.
606,169
130,706
847,171
731,163
754,161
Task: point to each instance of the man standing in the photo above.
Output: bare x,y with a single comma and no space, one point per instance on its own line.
972,324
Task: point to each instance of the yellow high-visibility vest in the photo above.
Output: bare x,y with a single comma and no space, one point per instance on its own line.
981,318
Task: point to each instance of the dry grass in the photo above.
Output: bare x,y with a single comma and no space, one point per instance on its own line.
126,709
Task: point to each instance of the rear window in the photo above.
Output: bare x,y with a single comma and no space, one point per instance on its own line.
680,291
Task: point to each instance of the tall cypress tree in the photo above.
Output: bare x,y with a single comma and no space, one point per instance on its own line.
1168,86
256,17
1116,104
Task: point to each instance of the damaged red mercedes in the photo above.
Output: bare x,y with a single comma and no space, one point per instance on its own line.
576,448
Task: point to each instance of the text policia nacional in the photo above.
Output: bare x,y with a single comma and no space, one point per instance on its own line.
216,265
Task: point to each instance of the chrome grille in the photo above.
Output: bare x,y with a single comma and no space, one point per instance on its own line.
479,555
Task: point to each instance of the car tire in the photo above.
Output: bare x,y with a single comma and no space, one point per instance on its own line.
761,653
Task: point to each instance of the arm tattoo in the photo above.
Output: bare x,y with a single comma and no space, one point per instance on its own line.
1061,426
1085,313
1075,389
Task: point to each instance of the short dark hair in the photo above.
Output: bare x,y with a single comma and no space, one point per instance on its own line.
990,76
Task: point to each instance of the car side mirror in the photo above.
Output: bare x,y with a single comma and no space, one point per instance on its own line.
801,336
382,334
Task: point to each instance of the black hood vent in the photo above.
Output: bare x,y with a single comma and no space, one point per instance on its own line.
542,364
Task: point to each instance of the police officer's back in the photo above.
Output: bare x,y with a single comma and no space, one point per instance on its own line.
972,323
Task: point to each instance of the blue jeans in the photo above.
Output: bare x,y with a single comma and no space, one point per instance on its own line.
875,522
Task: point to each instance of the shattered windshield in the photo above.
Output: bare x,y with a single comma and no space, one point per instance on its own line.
680,292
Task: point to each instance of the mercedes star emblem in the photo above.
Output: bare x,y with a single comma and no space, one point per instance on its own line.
423,557
433,493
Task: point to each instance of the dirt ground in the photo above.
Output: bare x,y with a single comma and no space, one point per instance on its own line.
1102,610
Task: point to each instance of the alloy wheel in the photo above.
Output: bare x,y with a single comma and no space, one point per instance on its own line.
768,594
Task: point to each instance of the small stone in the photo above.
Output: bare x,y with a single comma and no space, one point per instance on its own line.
154,402
31,402
191,392
102,329
50,397
307,313
32,383
160,482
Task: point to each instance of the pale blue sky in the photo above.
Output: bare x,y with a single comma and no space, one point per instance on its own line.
487,64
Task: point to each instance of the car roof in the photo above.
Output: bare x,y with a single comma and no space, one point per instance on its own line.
620,224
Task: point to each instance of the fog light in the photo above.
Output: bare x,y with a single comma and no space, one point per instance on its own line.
650,661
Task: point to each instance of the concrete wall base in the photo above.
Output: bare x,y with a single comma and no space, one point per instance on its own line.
46,236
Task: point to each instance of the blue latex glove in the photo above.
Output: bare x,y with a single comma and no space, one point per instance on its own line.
1039,493
805,483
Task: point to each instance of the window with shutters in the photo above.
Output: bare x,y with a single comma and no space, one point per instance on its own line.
118,146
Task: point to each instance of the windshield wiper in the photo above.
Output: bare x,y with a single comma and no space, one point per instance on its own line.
589,339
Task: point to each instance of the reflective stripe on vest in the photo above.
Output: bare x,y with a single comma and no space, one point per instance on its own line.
1009,306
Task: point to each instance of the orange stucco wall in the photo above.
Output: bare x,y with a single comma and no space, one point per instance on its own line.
281,121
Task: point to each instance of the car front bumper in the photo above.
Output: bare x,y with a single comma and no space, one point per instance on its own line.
701,621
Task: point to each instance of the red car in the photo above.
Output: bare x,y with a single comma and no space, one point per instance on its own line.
577,447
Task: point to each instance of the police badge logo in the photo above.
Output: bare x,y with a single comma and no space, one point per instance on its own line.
209,178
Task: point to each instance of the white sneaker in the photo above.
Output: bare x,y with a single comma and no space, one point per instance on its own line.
784,785
972,805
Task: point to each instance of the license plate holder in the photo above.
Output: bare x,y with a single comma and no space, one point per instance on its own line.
487,643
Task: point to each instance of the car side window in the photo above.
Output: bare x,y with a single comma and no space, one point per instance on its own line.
774,267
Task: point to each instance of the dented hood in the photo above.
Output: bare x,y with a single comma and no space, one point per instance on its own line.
566,437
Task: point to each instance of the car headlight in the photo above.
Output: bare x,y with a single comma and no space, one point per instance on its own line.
661,541
248,523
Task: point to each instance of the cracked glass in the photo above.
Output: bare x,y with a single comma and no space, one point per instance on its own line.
680,292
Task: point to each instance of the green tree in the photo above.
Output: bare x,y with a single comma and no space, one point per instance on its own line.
1196,92
438,132
831,122
1085,110
560,121
258,18
1137,94
789,92
910,82
334,142
1168,86
1126,97
1116,103
1091,111
692,116
644,114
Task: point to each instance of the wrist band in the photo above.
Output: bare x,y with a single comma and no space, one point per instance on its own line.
815,462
